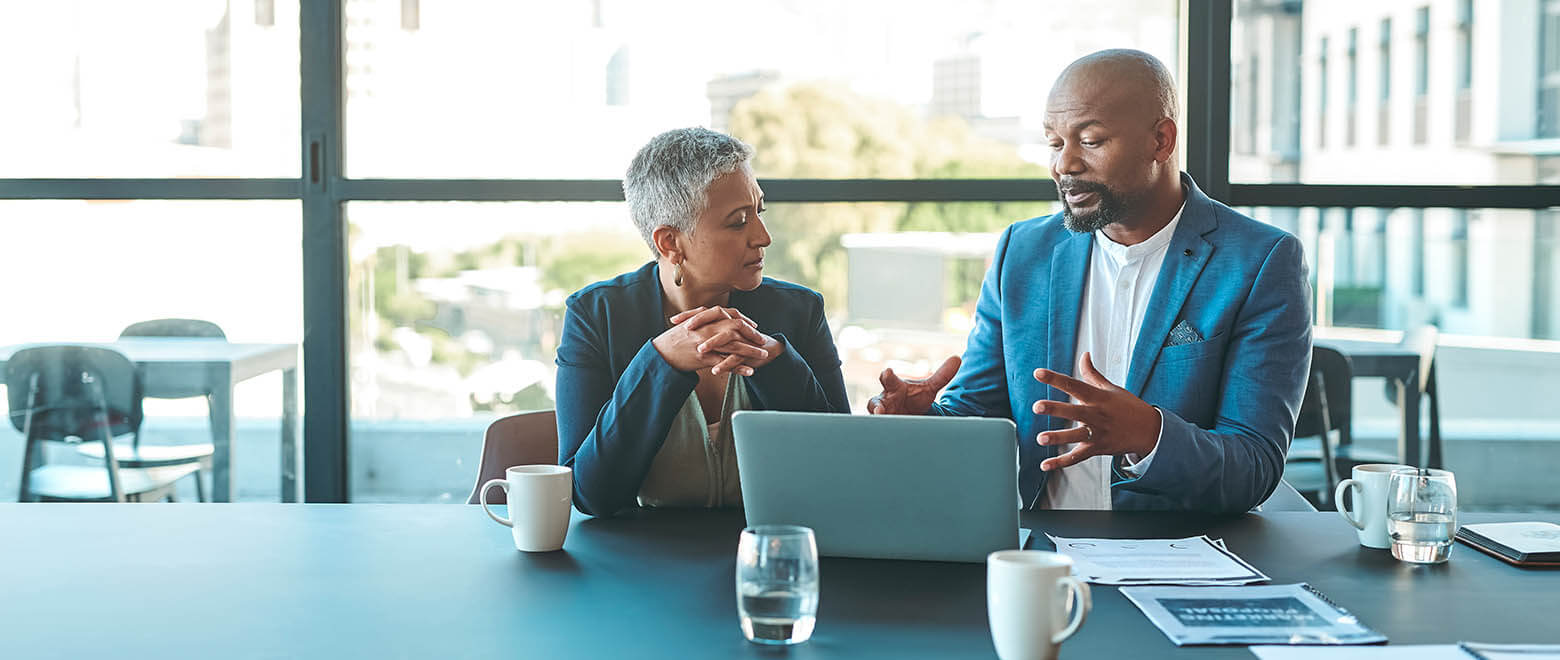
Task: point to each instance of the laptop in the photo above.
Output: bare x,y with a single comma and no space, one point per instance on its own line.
883,486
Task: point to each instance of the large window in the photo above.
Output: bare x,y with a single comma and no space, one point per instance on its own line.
408,190
164,89
85,270
1477,114
571,89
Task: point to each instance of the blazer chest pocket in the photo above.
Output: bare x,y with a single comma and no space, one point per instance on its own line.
1211,347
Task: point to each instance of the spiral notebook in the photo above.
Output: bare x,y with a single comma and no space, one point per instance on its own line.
1269,614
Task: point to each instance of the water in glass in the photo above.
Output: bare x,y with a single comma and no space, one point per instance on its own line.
1422,538
777,584
779,613
1421,514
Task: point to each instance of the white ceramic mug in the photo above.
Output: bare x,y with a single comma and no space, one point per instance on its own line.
539,498
1369,517
1029,594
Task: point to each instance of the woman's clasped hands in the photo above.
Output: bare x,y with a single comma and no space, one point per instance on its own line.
721,339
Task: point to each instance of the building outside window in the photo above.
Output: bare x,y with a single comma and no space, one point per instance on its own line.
1421,75
1463,112
1384,84
1352,91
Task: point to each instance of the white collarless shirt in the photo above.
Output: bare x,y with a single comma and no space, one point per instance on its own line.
1115,298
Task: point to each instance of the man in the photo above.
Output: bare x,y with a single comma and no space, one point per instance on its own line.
1151,344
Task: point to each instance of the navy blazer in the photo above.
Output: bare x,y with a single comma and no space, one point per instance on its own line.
617,396
1228,397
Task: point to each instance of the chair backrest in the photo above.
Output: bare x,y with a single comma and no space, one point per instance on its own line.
1286,498
185,328
1422,340
174,328
523,439
1331,382
68,380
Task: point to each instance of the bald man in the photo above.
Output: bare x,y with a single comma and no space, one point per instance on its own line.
1151,344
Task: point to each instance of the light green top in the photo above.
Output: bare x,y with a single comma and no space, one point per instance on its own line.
697,465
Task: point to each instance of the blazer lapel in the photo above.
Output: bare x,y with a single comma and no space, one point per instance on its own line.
652,313
1069,270
1184,261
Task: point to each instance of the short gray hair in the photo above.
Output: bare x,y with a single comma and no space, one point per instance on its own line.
666,184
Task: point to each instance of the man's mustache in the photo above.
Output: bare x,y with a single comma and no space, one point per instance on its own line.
1069,186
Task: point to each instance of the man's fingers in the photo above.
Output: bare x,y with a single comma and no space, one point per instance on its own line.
875,405
944,373
890,380
1068,459
1063,437
1089,374
1078,389
1063,410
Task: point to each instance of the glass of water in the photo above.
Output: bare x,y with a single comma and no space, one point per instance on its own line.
1421,514
777,584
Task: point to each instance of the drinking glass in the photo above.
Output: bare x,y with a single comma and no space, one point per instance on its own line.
1422,514
777,584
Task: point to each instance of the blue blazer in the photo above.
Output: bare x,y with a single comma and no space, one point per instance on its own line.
1228,401
617,396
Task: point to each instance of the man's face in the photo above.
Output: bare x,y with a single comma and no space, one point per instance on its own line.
1102,151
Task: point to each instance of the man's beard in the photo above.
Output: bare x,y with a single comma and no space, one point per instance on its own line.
1110,208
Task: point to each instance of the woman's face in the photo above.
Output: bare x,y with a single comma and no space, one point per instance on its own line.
727,245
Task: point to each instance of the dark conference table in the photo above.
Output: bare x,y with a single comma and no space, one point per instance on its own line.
422,581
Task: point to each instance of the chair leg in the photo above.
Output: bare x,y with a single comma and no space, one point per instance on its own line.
1435,457
200,488
30,453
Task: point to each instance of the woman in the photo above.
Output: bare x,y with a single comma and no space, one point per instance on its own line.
653,363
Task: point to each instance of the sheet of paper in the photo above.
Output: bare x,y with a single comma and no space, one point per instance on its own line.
1192,560
1512,651
1408,652
1023,537
1288,614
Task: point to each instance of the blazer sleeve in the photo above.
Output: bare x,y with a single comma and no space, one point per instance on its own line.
806,376
1235,465
610,429
980,388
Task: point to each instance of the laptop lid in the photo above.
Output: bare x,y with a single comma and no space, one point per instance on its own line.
883,486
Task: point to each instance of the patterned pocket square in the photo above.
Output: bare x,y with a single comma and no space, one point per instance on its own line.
1183,334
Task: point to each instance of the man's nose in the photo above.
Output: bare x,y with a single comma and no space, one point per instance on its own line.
1068,161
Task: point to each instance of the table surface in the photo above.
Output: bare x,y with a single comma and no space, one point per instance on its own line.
171,349
364,580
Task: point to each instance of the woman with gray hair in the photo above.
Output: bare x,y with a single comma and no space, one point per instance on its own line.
652,363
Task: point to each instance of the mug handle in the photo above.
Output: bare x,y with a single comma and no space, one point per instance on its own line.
1078,593
1343,486
502,483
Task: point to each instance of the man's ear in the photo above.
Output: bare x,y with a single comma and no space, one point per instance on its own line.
1165,134
668,243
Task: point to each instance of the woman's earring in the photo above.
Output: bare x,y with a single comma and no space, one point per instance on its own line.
677,274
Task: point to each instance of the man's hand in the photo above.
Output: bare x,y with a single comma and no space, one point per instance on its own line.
911,396
719,338
1112,420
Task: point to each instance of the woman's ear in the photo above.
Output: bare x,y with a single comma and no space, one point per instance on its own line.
668,243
